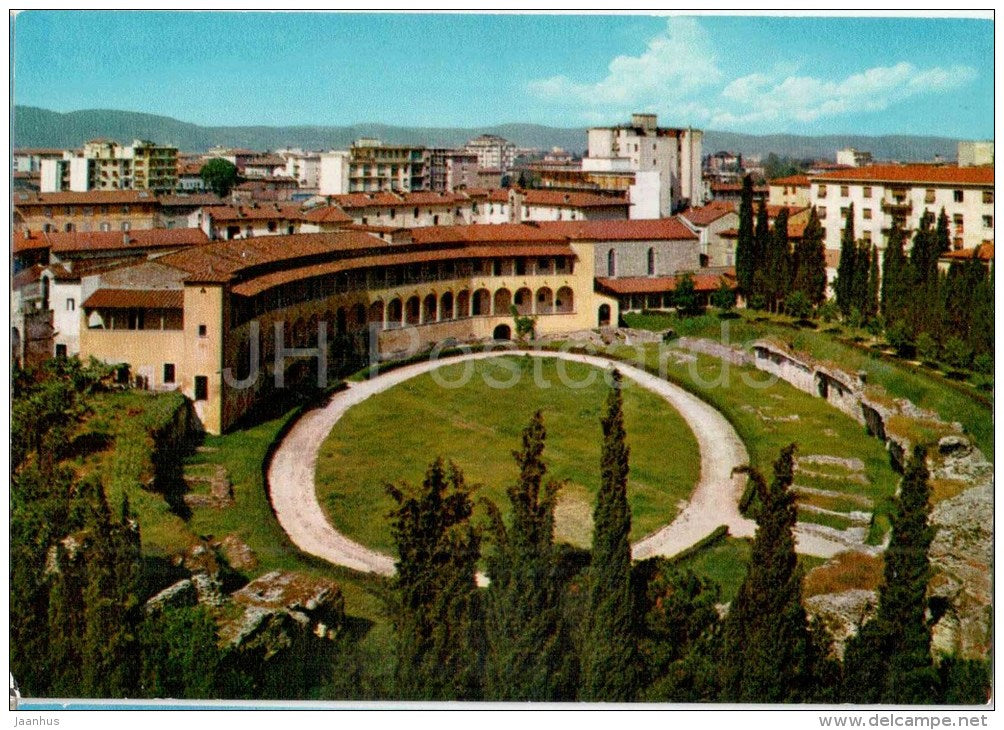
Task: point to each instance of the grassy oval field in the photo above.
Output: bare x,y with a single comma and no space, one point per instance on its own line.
394,435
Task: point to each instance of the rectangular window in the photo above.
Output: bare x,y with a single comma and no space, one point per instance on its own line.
201,387
168,373
988,197
988,221
106,227
202,330
70,305
60,351
866,236
126,225
821,213
929,196
957,196
845,191
867,213
843,211
866,191
822,191
959,221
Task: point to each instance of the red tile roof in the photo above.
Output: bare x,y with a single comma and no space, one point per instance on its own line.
709,213
119,240
222,261
327,214
798,181
34,241
933,174
92,197
666,229
26,276
659,284
983,252
269,211
364,200
395,256
136,299
559,199
201,199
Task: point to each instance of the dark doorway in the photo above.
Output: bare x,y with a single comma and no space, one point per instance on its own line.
502,332
604,315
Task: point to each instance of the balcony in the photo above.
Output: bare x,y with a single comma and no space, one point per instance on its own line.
897,205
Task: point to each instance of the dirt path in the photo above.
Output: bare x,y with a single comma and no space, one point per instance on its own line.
713,502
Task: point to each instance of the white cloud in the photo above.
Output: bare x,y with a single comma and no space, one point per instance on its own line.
678,75
758,99
674,65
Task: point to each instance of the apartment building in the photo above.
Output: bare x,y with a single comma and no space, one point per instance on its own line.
229,222
97,210
883,194
494,152
850,157
976,153
672,155
709,222
106,165
451,169
792,190
304,167
372,166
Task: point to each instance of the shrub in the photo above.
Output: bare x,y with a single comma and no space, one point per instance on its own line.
984,364
798,306
927,348
724,298
828,311
900,337
957,353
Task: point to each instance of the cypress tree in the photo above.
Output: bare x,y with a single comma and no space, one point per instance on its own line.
438,618
860,278
845,269
527,646
761,247
889,660
778,262
768,653
745,243
923,257
872,305
942,238
981,328
609,650
809,263
895,276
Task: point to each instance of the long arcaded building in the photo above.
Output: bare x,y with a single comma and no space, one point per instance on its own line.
210,319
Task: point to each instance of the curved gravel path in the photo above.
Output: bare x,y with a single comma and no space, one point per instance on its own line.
713,502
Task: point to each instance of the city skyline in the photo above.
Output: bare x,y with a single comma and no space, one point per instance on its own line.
754,74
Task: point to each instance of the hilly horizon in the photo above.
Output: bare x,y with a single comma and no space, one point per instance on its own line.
37,127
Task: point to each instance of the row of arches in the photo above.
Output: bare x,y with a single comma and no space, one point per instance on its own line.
415,310
480,303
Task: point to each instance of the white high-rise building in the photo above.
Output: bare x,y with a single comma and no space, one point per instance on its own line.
642,147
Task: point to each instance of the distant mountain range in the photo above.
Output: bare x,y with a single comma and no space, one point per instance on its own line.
36,127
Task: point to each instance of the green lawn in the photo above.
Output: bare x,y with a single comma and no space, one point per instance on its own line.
899,379
394,435
768,417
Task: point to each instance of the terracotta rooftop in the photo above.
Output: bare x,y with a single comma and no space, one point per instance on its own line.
92,197
709,213
933,174
269,211
398,255
365,200
201,199
119,240
327,214
26,276
485,233
666,229
223,261
136,299
983,252
266,161
89,267
557,198
798,181
659,284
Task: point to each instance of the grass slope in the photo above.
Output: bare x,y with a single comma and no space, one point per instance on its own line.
393,436
899,379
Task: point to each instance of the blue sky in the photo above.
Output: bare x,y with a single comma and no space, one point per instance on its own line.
760,75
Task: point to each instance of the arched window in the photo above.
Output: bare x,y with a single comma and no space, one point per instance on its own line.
611,263
651,262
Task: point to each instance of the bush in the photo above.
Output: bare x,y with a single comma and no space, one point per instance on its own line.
958,354
854,319
757,302
798,306
900,337
828,311
724,298
927,348
984,364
